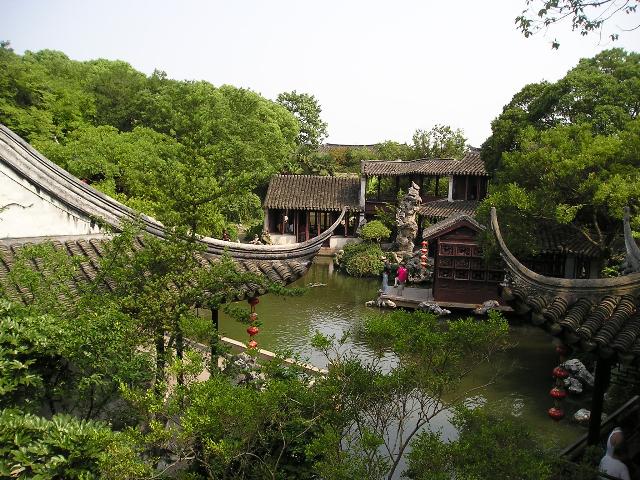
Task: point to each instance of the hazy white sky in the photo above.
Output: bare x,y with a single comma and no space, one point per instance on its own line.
379,69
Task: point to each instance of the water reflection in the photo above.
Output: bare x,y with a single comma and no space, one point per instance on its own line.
523,372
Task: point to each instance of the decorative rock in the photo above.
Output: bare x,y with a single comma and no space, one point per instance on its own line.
434,308
573,385
578,370
386,303
370,303
406,219
486,306
583,415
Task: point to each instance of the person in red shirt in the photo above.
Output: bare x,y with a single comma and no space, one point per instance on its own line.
401,278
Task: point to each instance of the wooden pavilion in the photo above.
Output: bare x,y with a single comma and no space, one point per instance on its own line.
440,180
596,316
301,207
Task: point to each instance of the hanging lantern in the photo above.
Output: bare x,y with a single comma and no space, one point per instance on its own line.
560,372
562,350
253,329
558,393
556,413
423,258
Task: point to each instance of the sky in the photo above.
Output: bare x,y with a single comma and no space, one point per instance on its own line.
380,70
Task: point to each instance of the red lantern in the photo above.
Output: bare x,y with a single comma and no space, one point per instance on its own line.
253,330
556,413
253,316
562,349
558,393
253,301
560,372
252,344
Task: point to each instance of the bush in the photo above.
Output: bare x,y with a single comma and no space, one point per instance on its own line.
375,231
362,260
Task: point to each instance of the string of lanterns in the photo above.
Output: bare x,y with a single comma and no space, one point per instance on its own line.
253,329
423,257
558,392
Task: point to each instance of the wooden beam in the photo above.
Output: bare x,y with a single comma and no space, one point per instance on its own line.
600,384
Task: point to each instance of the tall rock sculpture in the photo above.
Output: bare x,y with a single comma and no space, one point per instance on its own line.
406,220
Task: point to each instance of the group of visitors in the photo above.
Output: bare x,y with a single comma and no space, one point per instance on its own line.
400,281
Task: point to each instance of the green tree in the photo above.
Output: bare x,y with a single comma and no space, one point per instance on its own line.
391,150
603,91
375,231
491,444
568,153
440,142
65,447
306,109
379,408
585,16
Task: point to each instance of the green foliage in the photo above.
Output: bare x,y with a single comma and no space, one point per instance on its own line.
440,142
306,109
75,347
391,150
179,150
490,445
362,260
586,17
380,407
375,231
64,447
568,152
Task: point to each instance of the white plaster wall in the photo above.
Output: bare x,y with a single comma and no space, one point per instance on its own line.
279,239
337,242
27,212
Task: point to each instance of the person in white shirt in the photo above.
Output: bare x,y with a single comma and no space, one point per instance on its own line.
611,463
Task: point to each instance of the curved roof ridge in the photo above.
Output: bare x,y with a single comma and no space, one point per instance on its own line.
26,161
562,287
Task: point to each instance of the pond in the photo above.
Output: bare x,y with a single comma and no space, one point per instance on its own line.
290,322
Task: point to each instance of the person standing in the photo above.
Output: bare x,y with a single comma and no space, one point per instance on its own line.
611,463
401,278
385,280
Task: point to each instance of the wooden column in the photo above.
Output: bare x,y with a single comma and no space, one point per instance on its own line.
379,181
214,338
601,382
397,186
306,226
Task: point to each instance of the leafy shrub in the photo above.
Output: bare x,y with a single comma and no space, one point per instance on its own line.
375,231
362,260
63,447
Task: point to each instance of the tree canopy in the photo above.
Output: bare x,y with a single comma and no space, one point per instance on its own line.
568,152
156,144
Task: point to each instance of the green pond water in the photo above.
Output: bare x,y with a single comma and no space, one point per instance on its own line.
288,323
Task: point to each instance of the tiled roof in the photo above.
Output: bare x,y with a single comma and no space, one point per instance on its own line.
594,315
90,249
564,239
471,164
437,228
313,192
280,263
440,209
